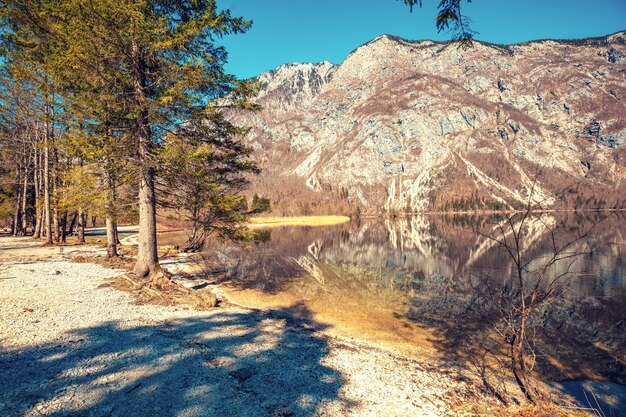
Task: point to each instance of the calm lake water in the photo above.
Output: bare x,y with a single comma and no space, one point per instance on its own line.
407,282
405,255
403,281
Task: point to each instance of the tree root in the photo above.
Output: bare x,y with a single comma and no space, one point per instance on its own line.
159,288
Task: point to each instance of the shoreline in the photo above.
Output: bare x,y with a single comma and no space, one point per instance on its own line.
487,212
326,220
435,386
380,329
330,220
76,345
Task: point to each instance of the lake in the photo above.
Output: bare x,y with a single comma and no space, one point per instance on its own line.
405,283
395,256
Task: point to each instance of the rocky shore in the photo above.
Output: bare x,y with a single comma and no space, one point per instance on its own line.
72,345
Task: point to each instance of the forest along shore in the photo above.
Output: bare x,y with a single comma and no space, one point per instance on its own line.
73,344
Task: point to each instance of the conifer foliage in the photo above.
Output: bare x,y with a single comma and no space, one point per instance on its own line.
202,175
139,83
450,17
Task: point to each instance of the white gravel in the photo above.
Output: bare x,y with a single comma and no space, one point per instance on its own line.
69,346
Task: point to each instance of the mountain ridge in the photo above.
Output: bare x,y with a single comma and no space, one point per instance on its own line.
449,42
384,130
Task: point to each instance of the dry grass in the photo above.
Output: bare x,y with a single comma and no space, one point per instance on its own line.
299,220
89,240
124,261
121,262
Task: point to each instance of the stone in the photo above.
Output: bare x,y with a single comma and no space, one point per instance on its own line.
615,140
593,129
616,57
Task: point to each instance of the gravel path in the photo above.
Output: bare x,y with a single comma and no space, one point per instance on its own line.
71,346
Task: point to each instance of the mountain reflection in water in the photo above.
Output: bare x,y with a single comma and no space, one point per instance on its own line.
399,255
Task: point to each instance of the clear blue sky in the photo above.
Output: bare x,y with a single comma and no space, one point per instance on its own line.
328,30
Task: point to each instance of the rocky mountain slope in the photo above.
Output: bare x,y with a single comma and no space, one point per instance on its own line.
418,125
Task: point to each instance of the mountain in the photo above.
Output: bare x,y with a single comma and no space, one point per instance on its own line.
408,126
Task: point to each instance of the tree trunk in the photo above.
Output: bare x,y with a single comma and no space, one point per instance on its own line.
520,367
24,198
37,183
55,208
522,379
55,222
15,230
196,238
73,223
147,258
111,237
17,216
46,185
111,213
117,235
82,219
64,226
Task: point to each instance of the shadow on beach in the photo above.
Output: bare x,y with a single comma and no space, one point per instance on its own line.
230,363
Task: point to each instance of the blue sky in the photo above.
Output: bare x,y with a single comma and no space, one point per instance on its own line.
328,30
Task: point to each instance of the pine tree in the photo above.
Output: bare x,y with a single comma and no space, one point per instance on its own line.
260,205
450,17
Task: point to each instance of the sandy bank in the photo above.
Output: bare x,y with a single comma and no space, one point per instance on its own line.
298,220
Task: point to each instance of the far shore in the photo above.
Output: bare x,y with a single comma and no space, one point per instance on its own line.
488,212
329,220
297,220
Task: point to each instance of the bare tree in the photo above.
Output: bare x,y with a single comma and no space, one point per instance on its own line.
535,280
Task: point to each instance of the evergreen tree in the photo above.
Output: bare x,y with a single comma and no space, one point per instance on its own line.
157,58
260,205
450,17
203,171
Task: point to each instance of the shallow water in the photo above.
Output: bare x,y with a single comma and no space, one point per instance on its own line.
606,397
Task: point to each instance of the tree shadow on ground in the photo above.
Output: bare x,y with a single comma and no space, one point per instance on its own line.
243,363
